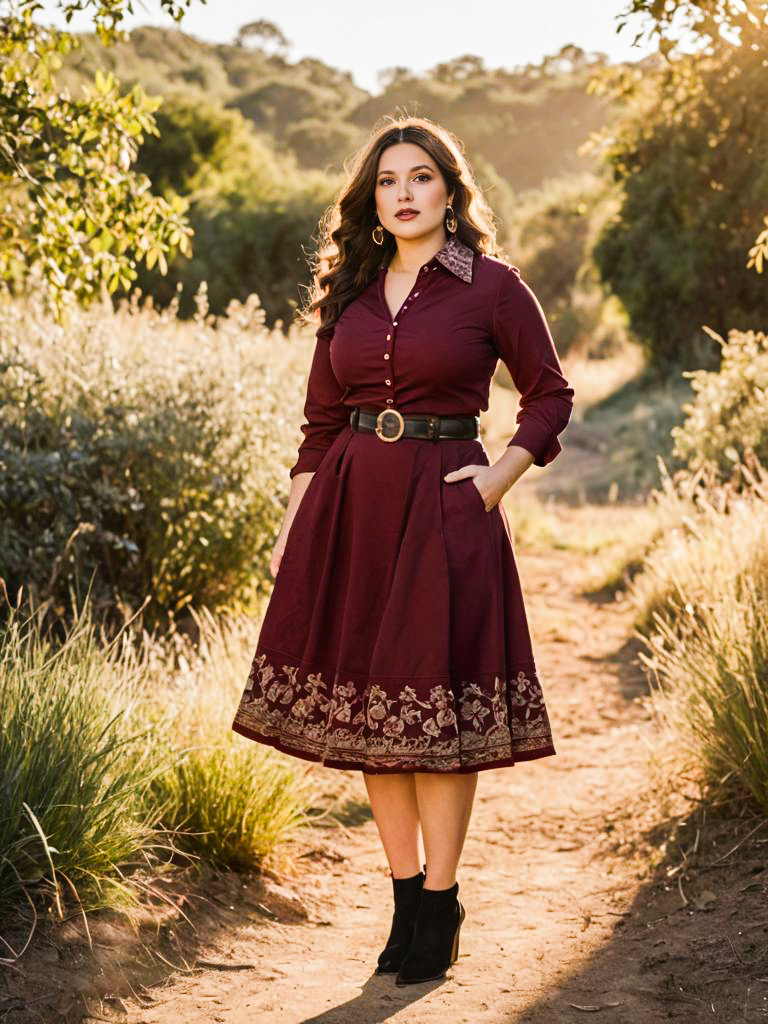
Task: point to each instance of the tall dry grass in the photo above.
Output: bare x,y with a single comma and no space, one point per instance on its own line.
117,756
702,612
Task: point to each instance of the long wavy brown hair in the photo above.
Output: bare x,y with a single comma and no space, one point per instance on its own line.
347,259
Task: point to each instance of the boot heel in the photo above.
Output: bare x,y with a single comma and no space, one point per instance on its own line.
455,950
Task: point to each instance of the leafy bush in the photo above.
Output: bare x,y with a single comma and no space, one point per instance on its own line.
729,416
701,599
143,454
690,157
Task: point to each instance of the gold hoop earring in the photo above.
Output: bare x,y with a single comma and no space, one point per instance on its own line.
451,223
378,240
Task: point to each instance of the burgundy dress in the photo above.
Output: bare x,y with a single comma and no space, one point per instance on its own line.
395,638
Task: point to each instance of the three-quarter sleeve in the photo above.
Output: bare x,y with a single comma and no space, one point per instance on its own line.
324,414
524,343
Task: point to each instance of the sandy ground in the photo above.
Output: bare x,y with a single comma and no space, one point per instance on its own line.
578,899
564,915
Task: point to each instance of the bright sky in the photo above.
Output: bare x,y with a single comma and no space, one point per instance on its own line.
364,37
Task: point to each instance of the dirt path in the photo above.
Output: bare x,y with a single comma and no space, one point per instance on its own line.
570,911
542,883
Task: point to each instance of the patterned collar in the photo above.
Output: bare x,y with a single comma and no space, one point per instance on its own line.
454,256
457,257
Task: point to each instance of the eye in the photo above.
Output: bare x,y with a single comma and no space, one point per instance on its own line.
421,174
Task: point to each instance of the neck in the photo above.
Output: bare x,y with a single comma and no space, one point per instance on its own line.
411,255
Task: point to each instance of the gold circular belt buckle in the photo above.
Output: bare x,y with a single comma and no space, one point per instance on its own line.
380,425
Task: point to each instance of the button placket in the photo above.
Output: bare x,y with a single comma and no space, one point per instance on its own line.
390,338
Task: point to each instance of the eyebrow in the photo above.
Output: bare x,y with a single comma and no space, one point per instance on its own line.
416,168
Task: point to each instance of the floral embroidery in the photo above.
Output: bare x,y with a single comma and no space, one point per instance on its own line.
388,724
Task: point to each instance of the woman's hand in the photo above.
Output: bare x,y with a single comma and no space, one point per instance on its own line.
277,551
495,480
491,485
299,483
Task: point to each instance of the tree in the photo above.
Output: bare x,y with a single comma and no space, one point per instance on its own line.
265,34
460,69
73,213
709,21
714,23
693,169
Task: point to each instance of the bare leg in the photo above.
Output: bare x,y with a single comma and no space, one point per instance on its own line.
444,803
393,802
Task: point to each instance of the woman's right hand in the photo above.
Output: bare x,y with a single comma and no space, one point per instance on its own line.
277,554
299,484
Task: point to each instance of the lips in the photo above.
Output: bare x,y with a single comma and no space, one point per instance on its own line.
406,214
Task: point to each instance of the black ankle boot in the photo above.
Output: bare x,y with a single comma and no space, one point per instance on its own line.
435,944
407,893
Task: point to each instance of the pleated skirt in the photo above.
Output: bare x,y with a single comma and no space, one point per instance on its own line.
395,638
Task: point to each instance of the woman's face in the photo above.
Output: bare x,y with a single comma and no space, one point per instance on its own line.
408,178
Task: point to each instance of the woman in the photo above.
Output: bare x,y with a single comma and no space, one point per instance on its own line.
395,641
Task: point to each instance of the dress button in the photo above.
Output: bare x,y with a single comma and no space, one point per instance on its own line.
394,323
389,401
386,355
389,336
415,295
388,383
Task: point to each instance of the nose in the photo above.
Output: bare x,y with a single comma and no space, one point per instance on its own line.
404,192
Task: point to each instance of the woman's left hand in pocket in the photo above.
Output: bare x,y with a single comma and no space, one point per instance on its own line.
491,485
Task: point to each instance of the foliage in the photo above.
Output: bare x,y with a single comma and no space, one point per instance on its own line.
691,159
707,646
551,235
710,20
144,453
728,419
116,757
256,144
74,767
226,799
714,23
250,209
75,215
527,122
702,594
758,254
239,77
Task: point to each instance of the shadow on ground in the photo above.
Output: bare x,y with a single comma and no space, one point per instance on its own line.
693,946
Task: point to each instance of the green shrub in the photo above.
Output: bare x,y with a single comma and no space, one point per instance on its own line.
729,415
144,454
73,764
111,755
690,162
701,599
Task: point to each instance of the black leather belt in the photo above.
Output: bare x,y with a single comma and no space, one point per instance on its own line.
391,425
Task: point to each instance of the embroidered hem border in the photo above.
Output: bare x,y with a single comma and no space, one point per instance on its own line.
373,730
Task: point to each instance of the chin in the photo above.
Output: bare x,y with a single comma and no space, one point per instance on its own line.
409,229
